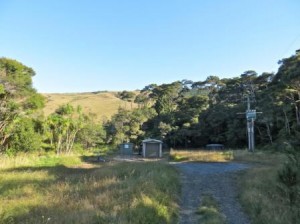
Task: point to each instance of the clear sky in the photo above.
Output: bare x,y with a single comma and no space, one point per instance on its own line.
91,45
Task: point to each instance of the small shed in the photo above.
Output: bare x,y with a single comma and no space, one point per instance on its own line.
215,146
126,148
152,148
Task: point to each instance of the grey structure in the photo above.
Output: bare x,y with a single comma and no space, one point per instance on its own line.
214,146
152,148
126,148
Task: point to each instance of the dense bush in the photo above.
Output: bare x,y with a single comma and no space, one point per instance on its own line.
289,177
24,137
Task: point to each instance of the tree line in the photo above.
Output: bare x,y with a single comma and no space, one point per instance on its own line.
182,114
193,114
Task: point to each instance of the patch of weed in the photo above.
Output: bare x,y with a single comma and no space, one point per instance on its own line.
209,211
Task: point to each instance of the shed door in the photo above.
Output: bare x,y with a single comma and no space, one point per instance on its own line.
126,149
152,150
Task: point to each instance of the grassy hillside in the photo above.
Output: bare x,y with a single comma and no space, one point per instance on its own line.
102,104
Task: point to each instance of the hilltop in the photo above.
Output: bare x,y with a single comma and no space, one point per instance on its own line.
101,104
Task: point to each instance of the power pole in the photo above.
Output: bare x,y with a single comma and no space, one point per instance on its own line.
250,117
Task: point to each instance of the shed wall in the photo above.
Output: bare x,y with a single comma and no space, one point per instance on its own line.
152,149
126,148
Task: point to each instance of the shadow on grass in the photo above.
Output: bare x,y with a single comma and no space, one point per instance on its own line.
60,194
18,178
95,159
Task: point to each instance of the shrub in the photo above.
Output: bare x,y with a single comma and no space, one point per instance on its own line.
289,177
24,137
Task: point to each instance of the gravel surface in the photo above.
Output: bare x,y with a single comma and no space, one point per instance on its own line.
216,179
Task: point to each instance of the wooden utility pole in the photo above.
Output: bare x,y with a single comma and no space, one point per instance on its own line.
250,117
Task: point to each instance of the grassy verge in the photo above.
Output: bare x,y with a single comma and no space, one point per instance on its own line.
209,211
63,190
259,157
35,160
264,198
201,155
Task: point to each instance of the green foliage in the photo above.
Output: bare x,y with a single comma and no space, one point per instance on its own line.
142,99
24,137
35,102
289,177
92,135
126,95
9,115
66,109
61,128
166,96
182,113
128,125
17,97
198,113
17,75
2,90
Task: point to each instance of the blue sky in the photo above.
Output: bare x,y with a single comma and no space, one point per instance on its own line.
91,45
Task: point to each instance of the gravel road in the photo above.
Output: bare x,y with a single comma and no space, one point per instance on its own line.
216,179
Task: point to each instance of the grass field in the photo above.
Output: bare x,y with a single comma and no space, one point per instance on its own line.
102,104
64,189
51,189
201,155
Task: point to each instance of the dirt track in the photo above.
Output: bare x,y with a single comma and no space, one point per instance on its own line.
217,179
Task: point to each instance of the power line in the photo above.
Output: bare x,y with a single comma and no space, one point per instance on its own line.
288,48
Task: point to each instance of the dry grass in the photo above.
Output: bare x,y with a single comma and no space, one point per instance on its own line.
102,105
260,193
261,198
201,155
258,157
37,191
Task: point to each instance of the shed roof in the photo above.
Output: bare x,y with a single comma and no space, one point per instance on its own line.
214,145
149,140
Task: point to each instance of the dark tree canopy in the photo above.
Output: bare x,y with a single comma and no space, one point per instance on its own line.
197,113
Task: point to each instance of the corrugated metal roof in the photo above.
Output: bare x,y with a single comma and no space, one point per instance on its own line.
149,140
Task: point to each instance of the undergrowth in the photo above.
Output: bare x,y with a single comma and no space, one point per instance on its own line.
269,191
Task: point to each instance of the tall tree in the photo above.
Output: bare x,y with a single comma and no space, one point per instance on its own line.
15,90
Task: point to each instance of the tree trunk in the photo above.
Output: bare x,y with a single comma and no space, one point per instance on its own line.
297,114
68,136
260,133
287,124
58,147
73,139
269,133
